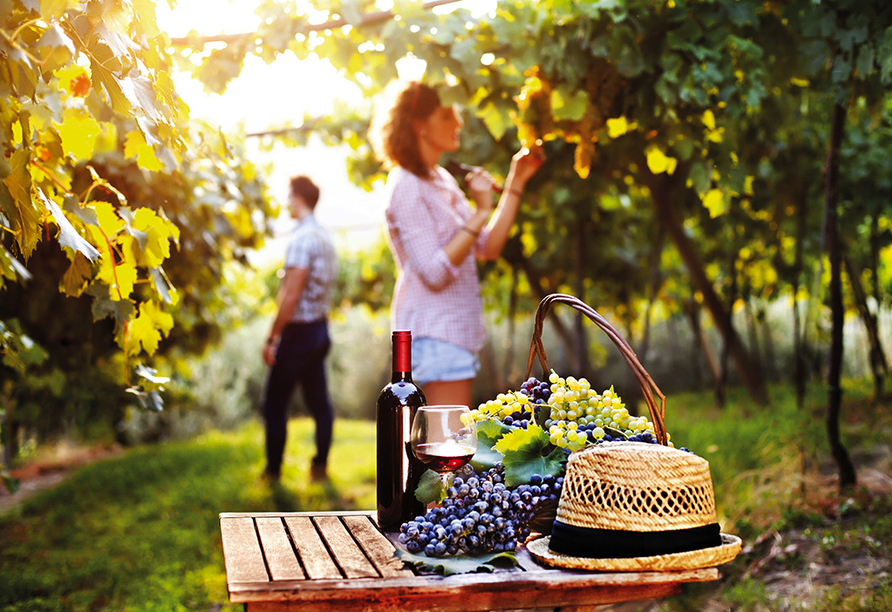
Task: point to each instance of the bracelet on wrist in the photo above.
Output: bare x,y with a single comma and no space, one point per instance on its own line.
470,231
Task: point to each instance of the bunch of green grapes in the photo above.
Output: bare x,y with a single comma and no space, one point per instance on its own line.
580,417
513,408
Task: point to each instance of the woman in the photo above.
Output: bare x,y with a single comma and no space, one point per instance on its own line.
435,234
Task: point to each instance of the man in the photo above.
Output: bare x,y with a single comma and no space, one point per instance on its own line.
298,341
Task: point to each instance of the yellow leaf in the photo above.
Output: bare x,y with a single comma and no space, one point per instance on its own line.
583,158
528,243
709,120
144,11
714,201
78,131
109,221
147,328
107,140
617,127
748,185
157,244
119,277
74,281
135,146
659,162
70,75
715,135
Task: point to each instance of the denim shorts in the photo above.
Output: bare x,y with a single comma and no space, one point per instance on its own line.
438,361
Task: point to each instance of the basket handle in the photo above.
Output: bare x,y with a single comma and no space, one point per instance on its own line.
648,386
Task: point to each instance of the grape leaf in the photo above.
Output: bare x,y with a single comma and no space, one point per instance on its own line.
430,488
119,277
135,146
68,236
157,233
527,452
488,433
163,287
11,268
146,329
104,306
24,216
78,130
76,277
458,564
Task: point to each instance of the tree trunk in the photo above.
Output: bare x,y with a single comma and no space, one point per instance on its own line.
538,287
752,328
769,363
634,396
510,365
662,200
799,361
877,292
847,477
877,358
715,371
580,336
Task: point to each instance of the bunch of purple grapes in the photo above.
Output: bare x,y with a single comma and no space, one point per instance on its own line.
480,514
538,391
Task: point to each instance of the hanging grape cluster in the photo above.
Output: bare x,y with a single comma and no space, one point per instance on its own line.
535,119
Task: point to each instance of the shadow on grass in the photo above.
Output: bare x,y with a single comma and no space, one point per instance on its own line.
317,496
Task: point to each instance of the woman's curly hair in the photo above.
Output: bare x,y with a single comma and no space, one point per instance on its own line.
391,132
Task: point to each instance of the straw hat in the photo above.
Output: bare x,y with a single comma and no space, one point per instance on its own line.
631,506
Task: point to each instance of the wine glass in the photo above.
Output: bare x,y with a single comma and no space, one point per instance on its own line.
444,438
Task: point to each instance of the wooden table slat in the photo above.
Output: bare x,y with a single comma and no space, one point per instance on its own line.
241,551
280,557
312,552
342,562
376,545
348,555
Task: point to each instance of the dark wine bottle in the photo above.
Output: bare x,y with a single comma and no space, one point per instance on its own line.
398,468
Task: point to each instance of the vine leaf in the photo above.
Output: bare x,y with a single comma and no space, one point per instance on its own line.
489,432
458,564
146,329
78,131
24,217
68,236
527,452
430,488
76,277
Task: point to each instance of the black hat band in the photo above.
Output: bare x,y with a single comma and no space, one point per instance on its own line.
619,544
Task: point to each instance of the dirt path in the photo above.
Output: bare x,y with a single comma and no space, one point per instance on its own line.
50,469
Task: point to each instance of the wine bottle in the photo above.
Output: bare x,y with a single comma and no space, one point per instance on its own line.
398,468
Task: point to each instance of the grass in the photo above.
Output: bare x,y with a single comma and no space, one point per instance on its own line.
140,531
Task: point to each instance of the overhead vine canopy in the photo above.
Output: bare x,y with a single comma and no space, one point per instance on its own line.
99,158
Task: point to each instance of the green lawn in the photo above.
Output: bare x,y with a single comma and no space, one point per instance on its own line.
140,531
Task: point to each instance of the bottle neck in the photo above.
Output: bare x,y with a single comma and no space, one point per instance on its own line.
402,356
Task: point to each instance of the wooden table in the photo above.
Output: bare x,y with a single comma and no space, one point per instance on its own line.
341,561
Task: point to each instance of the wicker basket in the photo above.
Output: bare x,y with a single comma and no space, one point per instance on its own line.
631,506
648,386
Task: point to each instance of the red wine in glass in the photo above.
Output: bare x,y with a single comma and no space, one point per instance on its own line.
442,457
444,438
